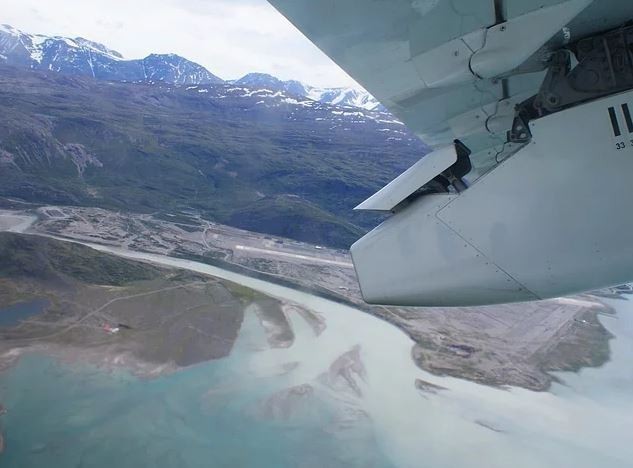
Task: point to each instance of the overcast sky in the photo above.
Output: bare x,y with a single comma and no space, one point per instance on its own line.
229,37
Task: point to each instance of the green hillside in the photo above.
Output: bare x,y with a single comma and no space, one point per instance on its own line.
283,169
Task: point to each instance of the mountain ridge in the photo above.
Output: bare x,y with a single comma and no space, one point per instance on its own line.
84,57
335,96
261,160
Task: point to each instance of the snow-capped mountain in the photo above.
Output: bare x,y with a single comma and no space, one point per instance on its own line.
174,69
334,96
265,81
261,100
345,97
79,56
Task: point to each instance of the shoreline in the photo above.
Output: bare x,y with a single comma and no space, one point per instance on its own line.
383,314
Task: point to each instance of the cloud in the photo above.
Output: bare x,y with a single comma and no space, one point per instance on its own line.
229,37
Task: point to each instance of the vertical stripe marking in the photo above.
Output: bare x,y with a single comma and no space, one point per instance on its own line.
627,117
614,122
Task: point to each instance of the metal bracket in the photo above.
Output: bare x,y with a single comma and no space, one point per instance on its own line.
495,51
605,66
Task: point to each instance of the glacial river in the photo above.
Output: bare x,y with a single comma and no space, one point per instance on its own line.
239,411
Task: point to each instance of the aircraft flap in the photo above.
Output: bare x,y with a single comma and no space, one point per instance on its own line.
425,170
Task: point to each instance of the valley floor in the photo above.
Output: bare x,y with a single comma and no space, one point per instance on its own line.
79,304
515,344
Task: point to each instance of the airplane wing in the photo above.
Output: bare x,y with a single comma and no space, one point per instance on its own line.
475,79
411,55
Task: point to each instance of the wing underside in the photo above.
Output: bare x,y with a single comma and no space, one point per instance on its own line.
414,57
527,105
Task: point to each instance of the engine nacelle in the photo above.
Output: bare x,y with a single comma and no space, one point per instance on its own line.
553,219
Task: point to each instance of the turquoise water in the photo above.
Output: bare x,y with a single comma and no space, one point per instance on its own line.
62,418
14,314
238,412
219,414
212,414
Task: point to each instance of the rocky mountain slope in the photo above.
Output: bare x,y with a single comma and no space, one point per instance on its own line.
335,96
262,160
79,56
